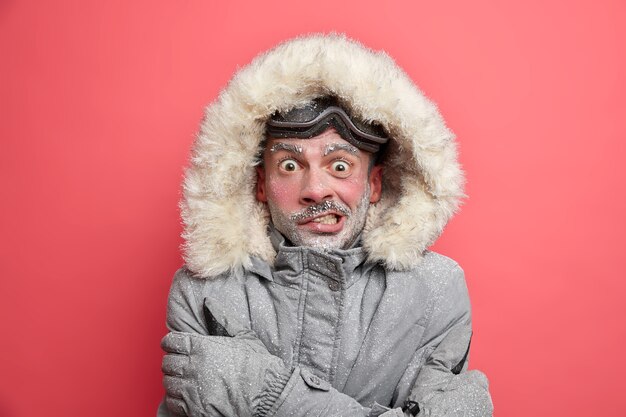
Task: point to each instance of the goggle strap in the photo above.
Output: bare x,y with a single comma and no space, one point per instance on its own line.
329,112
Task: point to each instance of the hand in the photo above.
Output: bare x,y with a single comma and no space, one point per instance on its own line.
213,375
465,394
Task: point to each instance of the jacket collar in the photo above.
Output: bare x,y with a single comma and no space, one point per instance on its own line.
337,264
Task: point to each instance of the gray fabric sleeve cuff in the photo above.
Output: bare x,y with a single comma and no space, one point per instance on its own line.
273,386
306,394
382,411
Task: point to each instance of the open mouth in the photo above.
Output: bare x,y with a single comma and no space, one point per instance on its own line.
327,219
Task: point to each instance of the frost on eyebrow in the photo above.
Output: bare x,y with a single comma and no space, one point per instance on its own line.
280,146
333,147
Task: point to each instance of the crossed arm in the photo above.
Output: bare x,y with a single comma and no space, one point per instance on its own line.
214,366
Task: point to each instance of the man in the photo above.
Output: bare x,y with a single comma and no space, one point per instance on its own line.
318,180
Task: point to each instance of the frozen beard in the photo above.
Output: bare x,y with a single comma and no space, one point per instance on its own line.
287,223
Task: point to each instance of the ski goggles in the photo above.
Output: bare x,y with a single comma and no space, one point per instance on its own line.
321,114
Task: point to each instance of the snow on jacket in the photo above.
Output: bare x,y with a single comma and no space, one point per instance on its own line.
379,324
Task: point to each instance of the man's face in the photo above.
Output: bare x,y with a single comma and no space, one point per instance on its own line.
318,190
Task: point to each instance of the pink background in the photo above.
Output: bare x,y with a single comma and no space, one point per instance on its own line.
99,104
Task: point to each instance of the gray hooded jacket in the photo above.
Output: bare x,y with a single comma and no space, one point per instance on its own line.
263,328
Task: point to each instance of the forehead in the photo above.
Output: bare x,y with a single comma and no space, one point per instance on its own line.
327,142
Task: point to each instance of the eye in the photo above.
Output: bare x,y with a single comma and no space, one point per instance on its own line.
340,167
288,165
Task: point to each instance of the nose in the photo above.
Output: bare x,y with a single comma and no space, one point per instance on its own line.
315,188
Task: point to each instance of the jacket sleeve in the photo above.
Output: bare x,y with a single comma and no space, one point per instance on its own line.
291,392
443,386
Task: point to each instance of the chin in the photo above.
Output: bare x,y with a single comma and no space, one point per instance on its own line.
323,241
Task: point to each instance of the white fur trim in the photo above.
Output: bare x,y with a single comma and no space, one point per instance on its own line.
223,223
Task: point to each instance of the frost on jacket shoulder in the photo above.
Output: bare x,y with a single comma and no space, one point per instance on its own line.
224,225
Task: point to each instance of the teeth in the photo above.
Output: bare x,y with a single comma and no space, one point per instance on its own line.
328,219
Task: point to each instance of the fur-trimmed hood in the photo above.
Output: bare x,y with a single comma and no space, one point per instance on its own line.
224,224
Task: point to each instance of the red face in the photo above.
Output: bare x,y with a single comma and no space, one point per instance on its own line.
318,190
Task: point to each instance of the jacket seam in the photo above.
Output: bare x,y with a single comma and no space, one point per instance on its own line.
301,305
338,332
369,325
